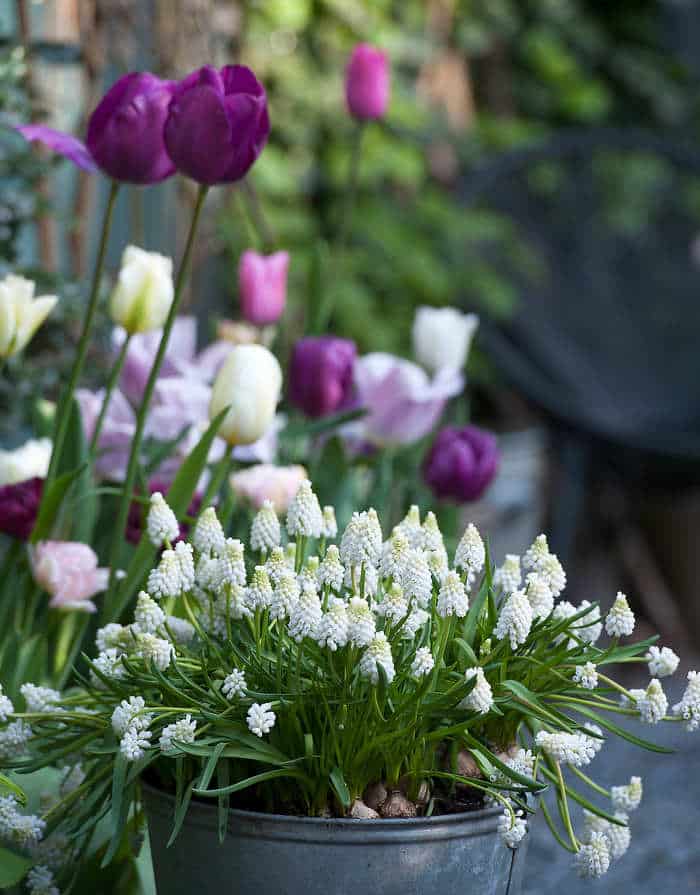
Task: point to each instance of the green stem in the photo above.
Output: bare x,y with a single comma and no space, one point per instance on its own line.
118,536
64,409
325,311
111,383
564,806
216,479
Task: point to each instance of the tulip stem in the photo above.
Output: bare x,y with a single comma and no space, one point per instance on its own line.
351,188
64,410
134,456
325,311
216,479
111,383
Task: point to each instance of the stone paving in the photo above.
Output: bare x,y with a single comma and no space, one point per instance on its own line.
664,857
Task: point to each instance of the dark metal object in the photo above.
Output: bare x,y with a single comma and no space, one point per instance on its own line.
605,339
266,854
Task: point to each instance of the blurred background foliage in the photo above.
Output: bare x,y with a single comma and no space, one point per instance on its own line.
469,80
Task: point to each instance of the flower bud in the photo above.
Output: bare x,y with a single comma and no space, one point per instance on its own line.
321,374
461,463
262,286
442,337
144,292
20,313
367,83
217,124
249,384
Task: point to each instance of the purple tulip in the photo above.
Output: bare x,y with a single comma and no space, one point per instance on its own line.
218,124
321,374
124,135
19,505
367,83
262,286
403,404
462,463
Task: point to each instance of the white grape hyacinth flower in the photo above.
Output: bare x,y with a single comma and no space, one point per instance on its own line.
208,535
161,523
40,699
651,703
689,706
134,742
285,595
305,615
536,552
663,662
14,739
330,526
423,663
553,573
6,706
470,555
452,597
378,653
260,718
234,684
586,676
539,594
515,619
304,515
265,532
570,748
181,731
130,713
480,698
332,631
154,649
628,797
620,619
331,572
593,859
508,576
512,828
148,616
361,622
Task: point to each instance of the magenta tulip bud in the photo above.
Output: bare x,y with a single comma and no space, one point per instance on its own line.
217,124
321,374
125,132
462,463
367,83
262,286
19,507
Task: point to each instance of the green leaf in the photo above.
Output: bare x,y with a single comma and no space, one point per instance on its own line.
181,812
12,868
532,701
322,426
51,503
17,792
472,619
340,786
250,781
222,778
210,766
621,732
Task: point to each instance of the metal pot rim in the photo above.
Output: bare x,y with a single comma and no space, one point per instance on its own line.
321,829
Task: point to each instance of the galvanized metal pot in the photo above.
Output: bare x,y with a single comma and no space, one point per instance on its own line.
270,854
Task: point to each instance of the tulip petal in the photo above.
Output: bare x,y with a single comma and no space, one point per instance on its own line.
198,134
64,144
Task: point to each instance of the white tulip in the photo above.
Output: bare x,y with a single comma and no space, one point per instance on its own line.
26,462
442,337
249,383
144,292
20,313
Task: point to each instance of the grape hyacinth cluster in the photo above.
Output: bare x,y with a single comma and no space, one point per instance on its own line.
360,672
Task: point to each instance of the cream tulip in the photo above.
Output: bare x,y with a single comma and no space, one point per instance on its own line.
144,292
21,314
442,337
249,384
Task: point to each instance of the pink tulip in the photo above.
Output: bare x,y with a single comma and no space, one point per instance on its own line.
262,286
264,482
68,571
367,83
